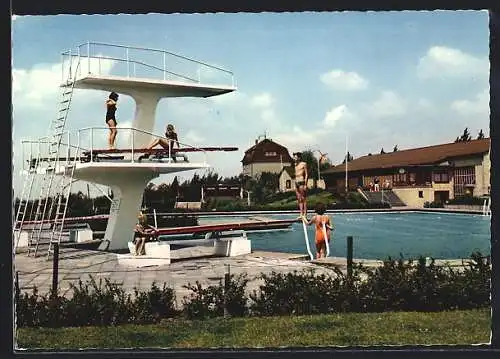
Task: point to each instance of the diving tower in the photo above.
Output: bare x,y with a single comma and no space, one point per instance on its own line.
146,75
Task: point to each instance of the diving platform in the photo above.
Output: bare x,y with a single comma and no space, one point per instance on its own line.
164,88
147,76
89,163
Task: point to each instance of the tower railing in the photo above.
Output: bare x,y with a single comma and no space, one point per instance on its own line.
85,142
93,139
140,62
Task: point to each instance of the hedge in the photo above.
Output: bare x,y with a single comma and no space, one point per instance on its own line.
397,285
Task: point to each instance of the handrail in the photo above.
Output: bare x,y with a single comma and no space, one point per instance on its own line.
92,47
149,49
141,131
79,148
137,62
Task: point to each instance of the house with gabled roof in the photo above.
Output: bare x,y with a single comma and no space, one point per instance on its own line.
427,174
287,180
265,156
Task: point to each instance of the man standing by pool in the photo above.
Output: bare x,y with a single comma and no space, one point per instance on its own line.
301,178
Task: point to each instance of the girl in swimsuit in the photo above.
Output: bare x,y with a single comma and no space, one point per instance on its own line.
318,220
111,118
171,140
142,234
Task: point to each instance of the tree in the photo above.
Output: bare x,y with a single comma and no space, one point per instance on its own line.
349,157
312,163
382,151
480,136
465,136
395,148
174,188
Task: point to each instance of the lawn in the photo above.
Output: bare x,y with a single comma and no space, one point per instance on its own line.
312,200
404,328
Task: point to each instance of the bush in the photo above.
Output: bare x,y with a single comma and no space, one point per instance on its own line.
428,204
303,294
154,305
397,285
95,304
209,302
467,200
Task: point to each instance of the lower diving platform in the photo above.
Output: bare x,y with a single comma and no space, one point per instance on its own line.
90,163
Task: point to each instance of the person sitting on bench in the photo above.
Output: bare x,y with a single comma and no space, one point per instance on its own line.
168,143
143,233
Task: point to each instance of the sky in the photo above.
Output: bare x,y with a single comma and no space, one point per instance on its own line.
305,80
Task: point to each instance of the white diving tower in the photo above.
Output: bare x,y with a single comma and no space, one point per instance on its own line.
146,75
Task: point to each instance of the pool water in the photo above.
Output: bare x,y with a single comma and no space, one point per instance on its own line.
379,235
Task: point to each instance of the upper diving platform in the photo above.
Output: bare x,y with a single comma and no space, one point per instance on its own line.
129,69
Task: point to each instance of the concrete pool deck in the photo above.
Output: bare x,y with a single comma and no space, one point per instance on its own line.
188,265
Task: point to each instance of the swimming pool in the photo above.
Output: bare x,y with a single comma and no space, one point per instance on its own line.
379,235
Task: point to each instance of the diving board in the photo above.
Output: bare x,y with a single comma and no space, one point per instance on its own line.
162,150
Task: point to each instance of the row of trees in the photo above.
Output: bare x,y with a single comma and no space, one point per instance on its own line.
466,136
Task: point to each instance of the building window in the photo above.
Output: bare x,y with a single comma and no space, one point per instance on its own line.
399,179
463,177
440,177
270,154
288,184
420,194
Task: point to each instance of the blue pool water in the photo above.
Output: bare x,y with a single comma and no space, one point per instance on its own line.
379,235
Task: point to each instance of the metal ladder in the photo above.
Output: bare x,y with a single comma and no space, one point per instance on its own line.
57,130
62,205
24,200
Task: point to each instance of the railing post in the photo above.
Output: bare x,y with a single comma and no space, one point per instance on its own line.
78,63
227,281
55,269
69,149
77,152
62,67
88,56
170,145
70,65
349,256
132,138
127,63
164,66
91,144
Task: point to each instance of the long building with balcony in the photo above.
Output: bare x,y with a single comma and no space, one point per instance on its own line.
427,174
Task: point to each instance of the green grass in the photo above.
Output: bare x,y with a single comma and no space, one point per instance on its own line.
404,328
312,200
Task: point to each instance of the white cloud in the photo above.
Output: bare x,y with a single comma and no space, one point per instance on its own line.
346,81
479,106
193,138
263,100
38,86
441,61
14,17
333,116
388,104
